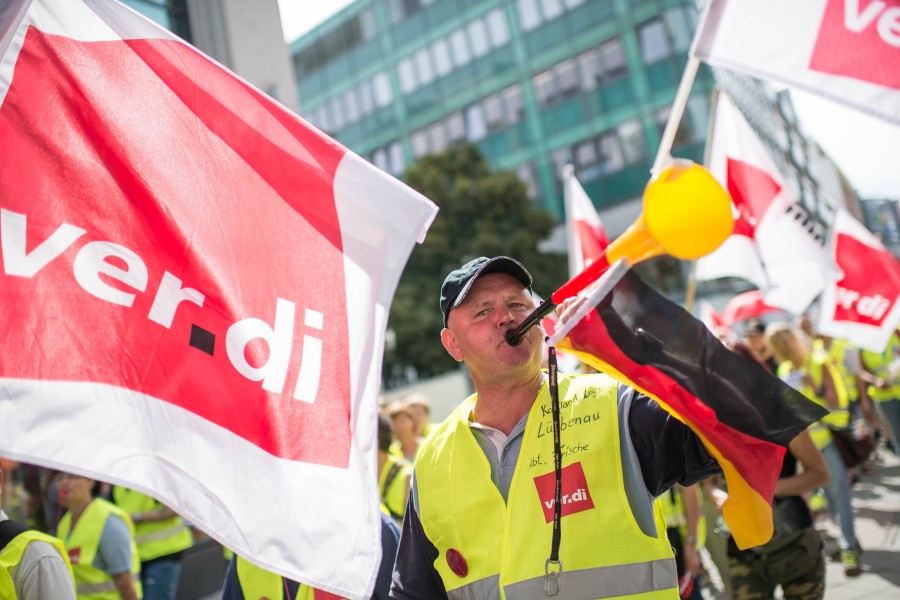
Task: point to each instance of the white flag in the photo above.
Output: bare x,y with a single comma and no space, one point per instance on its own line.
775,244
861,305
845,50
195,289
586,236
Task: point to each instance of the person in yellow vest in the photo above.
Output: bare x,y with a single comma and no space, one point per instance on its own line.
161,537
33,565
814,375
881,370
481,516
99,539
407,441
686,530
419,406
393,473
246,581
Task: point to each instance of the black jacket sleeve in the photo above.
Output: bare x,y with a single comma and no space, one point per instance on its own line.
668,451
415,577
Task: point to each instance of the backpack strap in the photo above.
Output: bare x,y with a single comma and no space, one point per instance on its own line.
391,476
9,530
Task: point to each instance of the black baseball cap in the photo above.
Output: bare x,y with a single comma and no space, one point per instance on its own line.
457,284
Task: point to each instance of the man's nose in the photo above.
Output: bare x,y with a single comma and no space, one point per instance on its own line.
507,318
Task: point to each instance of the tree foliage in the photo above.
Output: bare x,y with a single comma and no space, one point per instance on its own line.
482,213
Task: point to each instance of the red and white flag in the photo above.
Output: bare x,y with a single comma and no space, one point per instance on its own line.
775,244
586,236
845,50
195,289
862,304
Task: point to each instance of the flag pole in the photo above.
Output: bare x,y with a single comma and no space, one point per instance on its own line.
664,153
707,152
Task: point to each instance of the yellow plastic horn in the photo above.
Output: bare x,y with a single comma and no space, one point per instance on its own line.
686,213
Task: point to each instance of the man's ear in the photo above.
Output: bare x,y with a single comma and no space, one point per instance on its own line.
448,338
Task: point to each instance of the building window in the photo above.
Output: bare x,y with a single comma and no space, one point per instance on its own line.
551,9
680,27
544,88
396,163
515,108
632,135
460,46
419,143
525,173
437,139
529,17
441,53
478,36
613,59
654,41
407,75
423,67
610,154
476,124
566,79
496,22
382,86
456,127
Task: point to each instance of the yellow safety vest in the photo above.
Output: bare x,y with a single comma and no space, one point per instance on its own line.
838,417
878,364
82,543
12,555
393,495
489,548
837,352
259,584
156,538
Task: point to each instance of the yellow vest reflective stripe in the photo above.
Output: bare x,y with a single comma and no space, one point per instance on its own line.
12,555
837,352
878,363
82,543
155,538
394,497
505,545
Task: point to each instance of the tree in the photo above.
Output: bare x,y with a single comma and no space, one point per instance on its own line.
482,213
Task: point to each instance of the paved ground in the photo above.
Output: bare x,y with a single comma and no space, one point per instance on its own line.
876,501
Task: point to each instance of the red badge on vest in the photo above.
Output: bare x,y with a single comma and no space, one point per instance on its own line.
457,563
74,554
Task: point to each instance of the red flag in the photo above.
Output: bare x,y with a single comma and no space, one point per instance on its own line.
586,236
862,304
745,416
775,244
185,266
709,316
845,50
749,305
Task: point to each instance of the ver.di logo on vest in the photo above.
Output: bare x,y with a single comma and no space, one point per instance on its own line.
576,496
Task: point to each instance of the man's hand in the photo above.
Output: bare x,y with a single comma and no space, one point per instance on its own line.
568,308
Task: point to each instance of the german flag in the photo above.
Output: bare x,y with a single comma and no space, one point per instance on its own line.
745,416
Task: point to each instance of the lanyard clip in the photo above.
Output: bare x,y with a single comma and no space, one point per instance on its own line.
552,571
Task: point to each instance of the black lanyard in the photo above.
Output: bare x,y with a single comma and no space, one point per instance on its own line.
553,567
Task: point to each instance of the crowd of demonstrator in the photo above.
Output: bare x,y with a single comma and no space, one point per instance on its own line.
91,540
